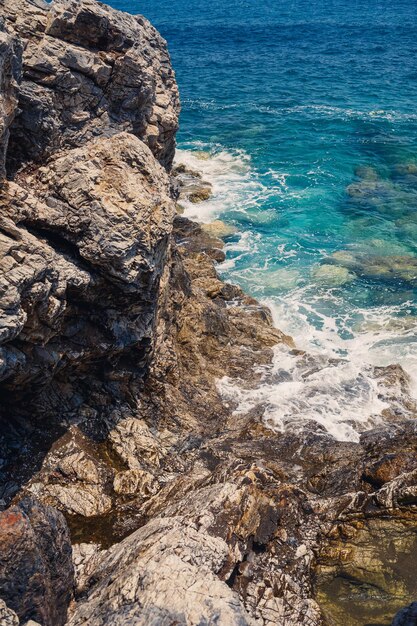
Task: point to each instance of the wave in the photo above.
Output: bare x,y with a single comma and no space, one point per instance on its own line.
236,187
333,384
310,111
332,381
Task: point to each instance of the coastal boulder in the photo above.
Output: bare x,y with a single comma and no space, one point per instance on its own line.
99,224
36,571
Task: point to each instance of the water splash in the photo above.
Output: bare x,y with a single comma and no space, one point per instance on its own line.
333,384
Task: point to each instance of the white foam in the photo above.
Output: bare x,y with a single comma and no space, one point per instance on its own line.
310,110
235,185
336,388
339,393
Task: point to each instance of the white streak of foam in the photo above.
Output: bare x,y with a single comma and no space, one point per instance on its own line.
336,388
340,395
235,185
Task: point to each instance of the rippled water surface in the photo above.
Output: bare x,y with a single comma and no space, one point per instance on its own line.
303,115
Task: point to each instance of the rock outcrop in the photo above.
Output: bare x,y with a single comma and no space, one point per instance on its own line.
114,331
36,570
89,71
86,214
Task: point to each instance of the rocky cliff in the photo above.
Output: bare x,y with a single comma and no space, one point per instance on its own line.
131,490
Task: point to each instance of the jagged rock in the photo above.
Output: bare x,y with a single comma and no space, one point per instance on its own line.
115,329
10,65
134,442
191,185
74,478
134,482
86,557
7,616
36,572
180,565
189,564
99,225
90,70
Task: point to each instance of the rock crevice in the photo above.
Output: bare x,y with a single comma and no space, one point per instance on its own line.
116,444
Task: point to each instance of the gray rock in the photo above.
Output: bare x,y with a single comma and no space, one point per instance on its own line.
90,70
36,571
10,69
99,225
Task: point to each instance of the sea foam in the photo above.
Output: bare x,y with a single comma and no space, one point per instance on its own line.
334,384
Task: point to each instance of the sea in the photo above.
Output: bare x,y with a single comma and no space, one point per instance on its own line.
303,116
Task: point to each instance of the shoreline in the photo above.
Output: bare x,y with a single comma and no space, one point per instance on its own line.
361,386
132,489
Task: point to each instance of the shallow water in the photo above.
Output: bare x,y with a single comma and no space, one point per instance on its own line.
303,116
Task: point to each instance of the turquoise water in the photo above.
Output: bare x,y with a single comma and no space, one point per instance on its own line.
306,115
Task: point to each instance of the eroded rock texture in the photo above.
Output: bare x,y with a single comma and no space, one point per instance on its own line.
114,331
10,71
89,71
86,214
36,570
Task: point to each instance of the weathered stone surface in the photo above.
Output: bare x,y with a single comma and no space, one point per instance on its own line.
74,478
36,571
114,331
7,616
86,558
134,482
190,564
99,225
191,185
89,70
10,66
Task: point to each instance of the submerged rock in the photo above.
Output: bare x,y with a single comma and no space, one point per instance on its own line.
219,229
369,189
366,172
377,267
366,572
332,275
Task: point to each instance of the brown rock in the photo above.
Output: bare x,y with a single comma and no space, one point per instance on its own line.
36,572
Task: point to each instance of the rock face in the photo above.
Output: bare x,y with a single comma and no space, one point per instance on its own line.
36,571
10,70
86,221
114,332
90,71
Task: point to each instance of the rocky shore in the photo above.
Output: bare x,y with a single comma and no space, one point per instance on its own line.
132,492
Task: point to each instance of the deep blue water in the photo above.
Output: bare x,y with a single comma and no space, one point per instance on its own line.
308,114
